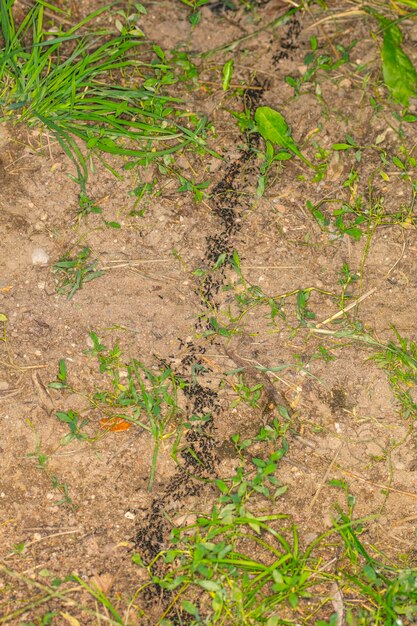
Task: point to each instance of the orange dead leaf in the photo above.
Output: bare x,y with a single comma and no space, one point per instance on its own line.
115,424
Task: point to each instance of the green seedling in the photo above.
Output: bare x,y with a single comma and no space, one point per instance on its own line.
157,399
405,163
399,360
302,311
247,394
350,498
74,272
197,189
75,425
350,144
57,484
129,23
62,487
347,220
269,157
346,279
87,206
61,379
19,548
317,61
249,297
218,329
244,119
139,192
185,70
195,16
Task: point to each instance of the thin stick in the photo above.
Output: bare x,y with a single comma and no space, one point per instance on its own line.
271,267
15,392
31,543
325,477
370,482
138,261
50,593
345,309
22,367
337,16
399,258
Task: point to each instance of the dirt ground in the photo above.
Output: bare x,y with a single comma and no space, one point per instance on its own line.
87,508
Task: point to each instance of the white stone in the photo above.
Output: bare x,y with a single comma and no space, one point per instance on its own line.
40,257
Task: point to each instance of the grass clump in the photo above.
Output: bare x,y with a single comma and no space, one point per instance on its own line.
73,272
92,90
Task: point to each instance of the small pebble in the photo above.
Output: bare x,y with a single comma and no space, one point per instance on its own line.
345,83
40,257
129,515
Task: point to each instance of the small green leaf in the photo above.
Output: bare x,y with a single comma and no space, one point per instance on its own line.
209,585
282,155
342,146
236,260
189,607
137,559
220,261
280,491
227,74
62,371
398,163
221,485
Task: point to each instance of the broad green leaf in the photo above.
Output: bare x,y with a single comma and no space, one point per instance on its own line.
398,70
273,127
